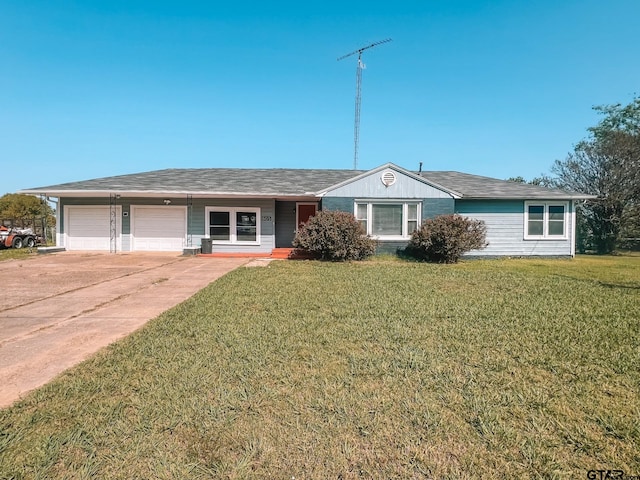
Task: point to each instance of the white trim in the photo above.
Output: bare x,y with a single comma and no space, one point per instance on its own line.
545,220
406,234
573,229
232,224
60,237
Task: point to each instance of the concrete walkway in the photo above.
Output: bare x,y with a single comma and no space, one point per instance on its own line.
45,328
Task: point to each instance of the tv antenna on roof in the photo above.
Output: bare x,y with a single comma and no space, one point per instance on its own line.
359,68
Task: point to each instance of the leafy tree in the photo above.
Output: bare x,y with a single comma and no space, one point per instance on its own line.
618,118
607,165
517,179
542,181
26,211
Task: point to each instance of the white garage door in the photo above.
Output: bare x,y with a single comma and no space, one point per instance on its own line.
159,229
89,228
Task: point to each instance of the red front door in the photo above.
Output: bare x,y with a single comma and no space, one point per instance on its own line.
306,210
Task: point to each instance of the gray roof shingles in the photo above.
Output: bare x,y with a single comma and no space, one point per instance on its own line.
272,181
288,182
476,186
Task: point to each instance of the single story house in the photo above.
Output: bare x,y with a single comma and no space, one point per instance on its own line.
255,211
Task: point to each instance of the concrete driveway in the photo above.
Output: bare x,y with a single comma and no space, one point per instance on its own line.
57,310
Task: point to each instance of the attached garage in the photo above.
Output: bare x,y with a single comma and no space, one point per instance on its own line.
89,228
158,229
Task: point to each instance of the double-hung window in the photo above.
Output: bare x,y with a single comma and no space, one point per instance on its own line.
390,220
233,225
545,220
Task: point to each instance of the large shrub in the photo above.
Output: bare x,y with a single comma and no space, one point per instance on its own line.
336,236
444,239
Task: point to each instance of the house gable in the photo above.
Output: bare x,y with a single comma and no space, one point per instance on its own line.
388,182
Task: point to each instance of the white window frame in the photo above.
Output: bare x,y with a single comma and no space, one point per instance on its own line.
232,227
545,220
406,234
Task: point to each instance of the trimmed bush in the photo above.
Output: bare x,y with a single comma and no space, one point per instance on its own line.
444,239
336,236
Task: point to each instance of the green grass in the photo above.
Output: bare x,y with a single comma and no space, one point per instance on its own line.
380,369
17,254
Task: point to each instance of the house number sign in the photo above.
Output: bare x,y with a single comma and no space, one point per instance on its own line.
266,218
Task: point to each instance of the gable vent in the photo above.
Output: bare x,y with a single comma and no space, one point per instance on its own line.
388,178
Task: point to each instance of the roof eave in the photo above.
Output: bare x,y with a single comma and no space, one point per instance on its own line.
165,193
530,197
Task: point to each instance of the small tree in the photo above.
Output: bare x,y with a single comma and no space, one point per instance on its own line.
444,239
606,165
541,181
27,211
336,236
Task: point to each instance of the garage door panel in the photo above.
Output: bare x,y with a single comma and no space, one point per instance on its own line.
89,228
159,229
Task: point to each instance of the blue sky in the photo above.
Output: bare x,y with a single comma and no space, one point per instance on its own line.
500,88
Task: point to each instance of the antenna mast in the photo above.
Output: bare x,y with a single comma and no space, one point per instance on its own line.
359,68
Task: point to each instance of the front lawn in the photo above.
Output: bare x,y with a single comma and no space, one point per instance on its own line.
380,369
17,254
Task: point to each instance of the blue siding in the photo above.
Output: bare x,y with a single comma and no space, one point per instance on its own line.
432,207
390,247
505,230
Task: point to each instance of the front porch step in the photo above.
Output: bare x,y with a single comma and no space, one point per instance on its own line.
276,253
290,254
281,253
234,255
